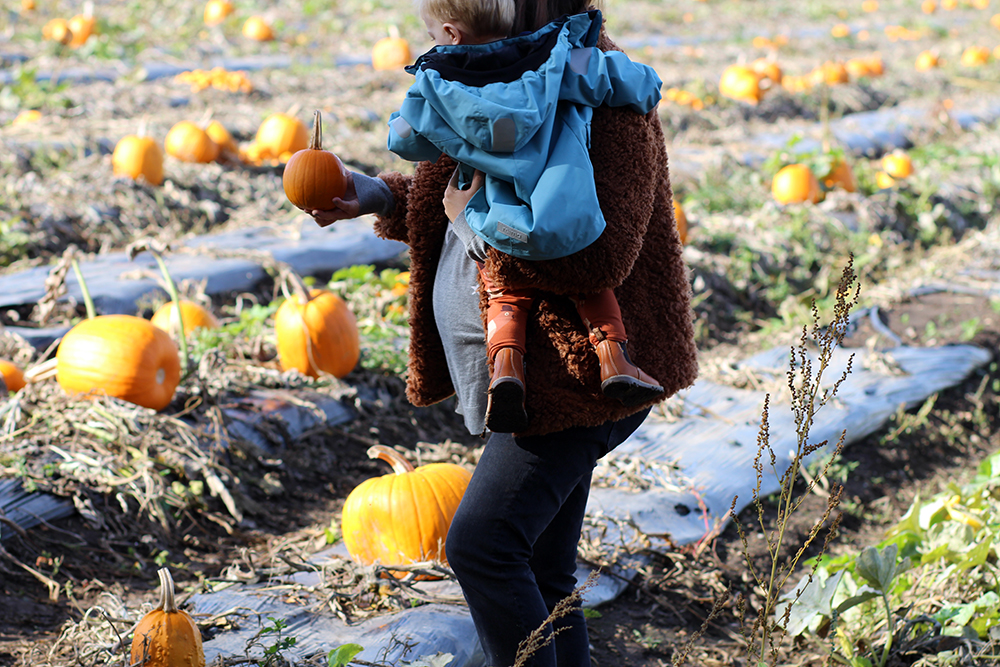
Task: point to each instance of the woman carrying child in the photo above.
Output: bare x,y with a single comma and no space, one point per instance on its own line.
513,541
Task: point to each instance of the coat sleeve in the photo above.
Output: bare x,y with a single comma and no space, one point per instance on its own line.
408,144
596,78
393,225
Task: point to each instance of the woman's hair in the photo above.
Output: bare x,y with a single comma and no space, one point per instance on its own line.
483,18
530,15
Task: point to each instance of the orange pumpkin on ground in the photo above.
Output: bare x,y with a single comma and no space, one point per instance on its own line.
391,53
193,316
316,333
189,143
122,356
13,377
257,29
136,156
926,60
313,177
58,31
218,133
795,184
281,133
897,164
841,176
82,27
740,83
216,11
682,222
167,636
402,517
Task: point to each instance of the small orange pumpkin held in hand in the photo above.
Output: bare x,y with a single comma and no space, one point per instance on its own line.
316,332
13,377
402,517
313,177
167,636
795,184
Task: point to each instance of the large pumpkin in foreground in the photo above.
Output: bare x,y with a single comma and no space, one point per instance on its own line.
167,636
402,517
317,335
122,356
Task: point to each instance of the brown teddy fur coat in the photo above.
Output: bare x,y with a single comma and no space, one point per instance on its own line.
638,255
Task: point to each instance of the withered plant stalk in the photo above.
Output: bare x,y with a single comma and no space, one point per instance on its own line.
763,635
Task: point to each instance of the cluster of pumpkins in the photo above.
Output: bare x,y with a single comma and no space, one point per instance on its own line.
72,32
796,183
749,83
136,360
278,137
395,519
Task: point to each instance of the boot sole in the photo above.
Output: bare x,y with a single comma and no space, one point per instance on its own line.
505,408
630,391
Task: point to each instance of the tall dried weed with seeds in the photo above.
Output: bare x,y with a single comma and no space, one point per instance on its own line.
809,360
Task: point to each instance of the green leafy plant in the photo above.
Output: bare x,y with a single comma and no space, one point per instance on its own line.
379,301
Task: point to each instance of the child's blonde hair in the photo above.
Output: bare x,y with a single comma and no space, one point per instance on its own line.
483,18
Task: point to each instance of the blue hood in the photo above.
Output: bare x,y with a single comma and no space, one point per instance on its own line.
468,87
519,110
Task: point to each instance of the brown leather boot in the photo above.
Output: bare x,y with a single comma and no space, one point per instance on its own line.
623,380
505,411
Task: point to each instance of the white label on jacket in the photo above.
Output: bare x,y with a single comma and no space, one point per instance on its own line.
512,233
402,128
579,59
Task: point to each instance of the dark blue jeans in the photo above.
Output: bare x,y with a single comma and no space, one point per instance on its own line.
512,543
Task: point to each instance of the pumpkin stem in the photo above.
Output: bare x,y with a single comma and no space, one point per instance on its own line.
172,289
392,457
298,285
88,301
316,140
167,601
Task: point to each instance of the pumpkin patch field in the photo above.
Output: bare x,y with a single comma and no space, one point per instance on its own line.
203,392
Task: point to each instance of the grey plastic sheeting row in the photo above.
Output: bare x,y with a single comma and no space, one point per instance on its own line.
308,248
713,446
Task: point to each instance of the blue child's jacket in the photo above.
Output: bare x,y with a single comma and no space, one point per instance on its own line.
519,110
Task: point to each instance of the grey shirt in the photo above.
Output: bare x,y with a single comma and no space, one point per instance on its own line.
455,300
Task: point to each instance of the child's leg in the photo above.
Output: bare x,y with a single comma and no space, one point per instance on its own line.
620,378
506,325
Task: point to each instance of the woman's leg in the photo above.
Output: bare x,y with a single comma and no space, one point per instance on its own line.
512,543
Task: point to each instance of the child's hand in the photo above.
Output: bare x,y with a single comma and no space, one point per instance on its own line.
343,208
454,199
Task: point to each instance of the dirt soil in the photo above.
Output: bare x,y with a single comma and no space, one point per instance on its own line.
57,189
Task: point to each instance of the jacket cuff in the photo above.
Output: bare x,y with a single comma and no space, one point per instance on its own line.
374,196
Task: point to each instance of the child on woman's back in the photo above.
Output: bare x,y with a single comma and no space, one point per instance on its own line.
519,110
